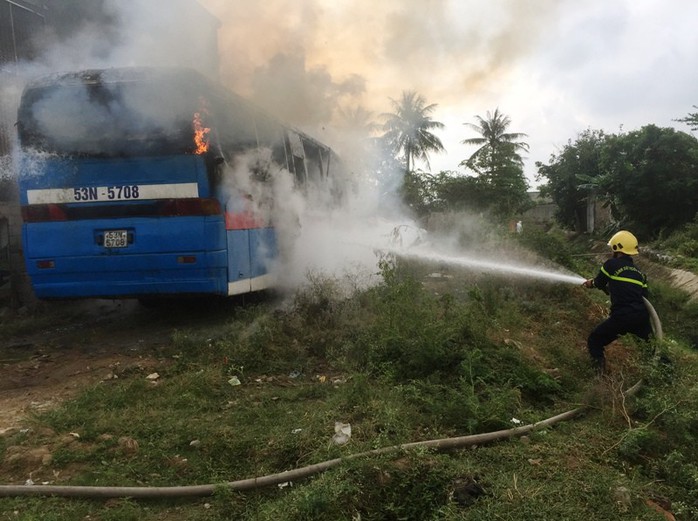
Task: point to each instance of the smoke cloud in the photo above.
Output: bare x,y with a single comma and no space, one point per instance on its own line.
444,49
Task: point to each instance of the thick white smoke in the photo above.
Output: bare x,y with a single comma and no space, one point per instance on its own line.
317,234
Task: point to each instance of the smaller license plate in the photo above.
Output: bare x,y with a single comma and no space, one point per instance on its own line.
115,239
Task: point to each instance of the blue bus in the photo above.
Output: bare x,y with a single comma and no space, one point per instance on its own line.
127,184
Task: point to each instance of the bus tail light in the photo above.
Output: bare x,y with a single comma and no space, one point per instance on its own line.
194,206
45,264
32,213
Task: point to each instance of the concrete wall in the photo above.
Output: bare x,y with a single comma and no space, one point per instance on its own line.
542,213
597,216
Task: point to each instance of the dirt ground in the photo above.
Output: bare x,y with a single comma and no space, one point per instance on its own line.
90,341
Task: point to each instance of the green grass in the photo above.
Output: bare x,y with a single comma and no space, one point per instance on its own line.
403,361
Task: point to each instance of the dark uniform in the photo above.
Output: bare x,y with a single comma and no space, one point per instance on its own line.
626,286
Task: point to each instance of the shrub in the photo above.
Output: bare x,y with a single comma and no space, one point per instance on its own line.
551,245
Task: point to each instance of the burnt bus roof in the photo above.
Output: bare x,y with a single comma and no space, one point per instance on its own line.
183,77
121,75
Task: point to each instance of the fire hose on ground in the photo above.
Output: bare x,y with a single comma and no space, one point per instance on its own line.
302,472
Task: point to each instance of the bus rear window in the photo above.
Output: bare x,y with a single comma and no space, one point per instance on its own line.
107,119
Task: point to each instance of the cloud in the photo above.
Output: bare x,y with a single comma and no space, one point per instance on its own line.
443,49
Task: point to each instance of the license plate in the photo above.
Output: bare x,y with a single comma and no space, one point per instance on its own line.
115,239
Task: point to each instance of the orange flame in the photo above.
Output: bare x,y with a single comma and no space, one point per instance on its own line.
200,134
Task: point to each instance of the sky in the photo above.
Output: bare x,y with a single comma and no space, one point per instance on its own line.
555,67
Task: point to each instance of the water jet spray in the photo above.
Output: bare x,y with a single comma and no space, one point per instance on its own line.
490,266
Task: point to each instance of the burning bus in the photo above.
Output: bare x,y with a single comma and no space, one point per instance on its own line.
126,187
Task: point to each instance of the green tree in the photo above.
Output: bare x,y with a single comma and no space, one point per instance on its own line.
408,130
418,193
500,184
691,119
652,177
458,192
572,175
426,193
649,177
508,190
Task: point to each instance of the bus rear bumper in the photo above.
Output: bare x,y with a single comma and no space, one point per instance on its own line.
110,289
137,276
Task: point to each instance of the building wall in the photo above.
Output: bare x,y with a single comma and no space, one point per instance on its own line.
15,292
543,212
597,216
20,22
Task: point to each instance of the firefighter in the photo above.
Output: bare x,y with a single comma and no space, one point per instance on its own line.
626,285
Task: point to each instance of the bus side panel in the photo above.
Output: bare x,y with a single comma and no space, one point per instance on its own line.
263,249
238,262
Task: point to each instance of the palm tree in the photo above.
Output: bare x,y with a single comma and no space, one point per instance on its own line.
409,128
496,144
357,120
